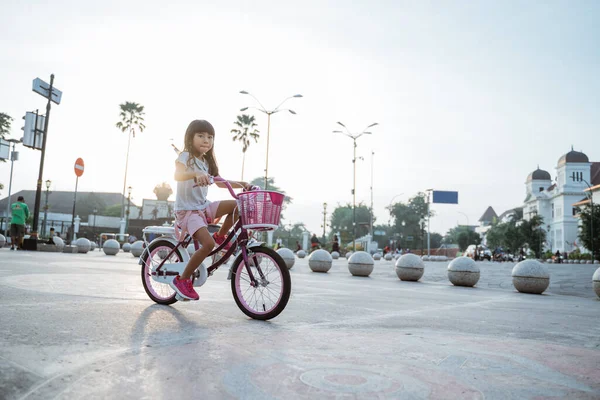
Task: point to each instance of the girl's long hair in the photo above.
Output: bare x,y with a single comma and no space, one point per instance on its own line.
198,126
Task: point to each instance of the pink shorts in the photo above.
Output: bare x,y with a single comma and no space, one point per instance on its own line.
197,218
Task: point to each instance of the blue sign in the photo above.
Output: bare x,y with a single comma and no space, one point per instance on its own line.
440,196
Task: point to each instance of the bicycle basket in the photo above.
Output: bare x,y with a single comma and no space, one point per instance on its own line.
260,209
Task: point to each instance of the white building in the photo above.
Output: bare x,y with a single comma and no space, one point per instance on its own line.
555,199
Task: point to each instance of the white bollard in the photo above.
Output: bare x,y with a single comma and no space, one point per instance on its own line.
410,267
361,264
320,261
463,271
111,247
288,257
531,276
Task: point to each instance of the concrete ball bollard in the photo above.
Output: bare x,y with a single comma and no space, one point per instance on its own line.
126,247
94,246
83,245
589,262
463,271
111,247
59,243
361,264
388,257
335,255
410,267
596,282
288,257
320,261
376,256
2,240
348,255
531,276
596,262
425,258
301,253
137,248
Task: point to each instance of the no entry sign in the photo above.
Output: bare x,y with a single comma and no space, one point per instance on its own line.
79,167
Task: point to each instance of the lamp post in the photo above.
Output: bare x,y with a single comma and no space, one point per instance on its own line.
324,219
48,183
466,216
128,205
354,136
269,113
371,225
576,178
94,228
14,156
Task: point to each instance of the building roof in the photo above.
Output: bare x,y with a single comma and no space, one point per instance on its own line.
488,215
61,202
539,175
573,157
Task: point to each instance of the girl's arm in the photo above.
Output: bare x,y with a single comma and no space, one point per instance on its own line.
182,175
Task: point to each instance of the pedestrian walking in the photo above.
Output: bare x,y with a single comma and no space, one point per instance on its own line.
20,213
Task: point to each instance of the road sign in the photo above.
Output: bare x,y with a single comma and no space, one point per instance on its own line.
381,233
79,167
440,196
409,238
42,88
33,130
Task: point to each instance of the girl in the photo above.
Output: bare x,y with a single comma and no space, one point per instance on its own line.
194,212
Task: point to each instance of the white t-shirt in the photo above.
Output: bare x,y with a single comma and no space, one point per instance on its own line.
189,197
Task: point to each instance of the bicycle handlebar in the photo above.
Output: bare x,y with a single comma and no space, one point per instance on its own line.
214,179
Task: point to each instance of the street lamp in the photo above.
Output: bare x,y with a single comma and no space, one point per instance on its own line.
324,219
128,205
94,228
269,113
371,230
466,216
48,183
354,136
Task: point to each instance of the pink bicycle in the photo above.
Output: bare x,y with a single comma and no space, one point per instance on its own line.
260,280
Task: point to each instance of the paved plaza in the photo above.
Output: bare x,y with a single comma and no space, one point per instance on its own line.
81,326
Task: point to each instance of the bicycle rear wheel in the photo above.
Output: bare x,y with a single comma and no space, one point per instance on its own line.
161,293
267,299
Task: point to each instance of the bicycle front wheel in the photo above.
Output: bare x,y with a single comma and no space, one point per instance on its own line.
268,298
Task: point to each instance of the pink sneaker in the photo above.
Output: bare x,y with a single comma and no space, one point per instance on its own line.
184,288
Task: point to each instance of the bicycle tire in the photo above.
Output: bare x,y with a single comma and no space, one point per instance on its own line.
239,268
147,280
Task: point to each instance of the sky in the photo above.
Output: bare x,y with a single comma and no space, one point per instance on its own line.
469,96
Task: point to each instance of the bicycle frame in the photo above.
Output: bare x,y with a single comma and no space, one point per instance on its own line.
241,240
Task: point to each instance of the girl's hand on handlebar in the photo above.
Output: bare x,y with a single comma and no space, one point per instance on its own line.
202,179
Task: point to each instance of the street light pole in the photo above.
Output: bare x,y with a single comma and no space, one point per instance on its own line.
48,183
94,228
354,136
324,219
371,225
14,156
269,113
129,189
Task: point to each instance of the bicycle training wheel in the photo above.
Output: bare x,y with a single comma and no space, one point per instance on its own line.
270,296
159,292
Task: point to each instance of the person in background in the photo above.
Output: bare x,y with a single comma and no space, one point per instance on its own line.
20,213
51,236
335,246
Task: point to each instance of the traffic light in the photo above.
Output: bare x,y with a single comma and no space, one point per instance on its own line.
33,130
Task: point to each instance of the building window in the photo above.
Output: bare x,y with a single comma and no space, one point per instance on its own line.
552,210
575,211
541,189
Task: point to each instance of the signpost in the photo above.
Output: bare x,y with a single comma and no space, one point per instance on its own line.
79,166
54,95
441,197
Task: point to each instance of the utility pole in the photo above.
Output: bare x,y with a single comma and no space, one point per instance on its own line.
324,219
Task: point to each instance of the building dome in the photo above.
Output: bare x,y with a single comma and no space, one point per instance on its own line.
539,175
573,157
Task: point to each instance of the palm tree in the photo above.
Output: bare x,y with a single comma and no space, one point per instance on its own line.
244,131
5,121
132,120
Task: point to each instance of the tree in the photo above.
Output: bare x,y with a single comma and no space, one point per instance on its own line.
132,120
112,211
89,203
586,235
467,238
410,221
5,121
533,235
342,219
244,131
435,240
163,191
453,233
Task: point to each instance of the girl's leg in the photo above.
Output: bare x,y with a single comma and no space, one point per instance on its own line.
208,243
226,207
